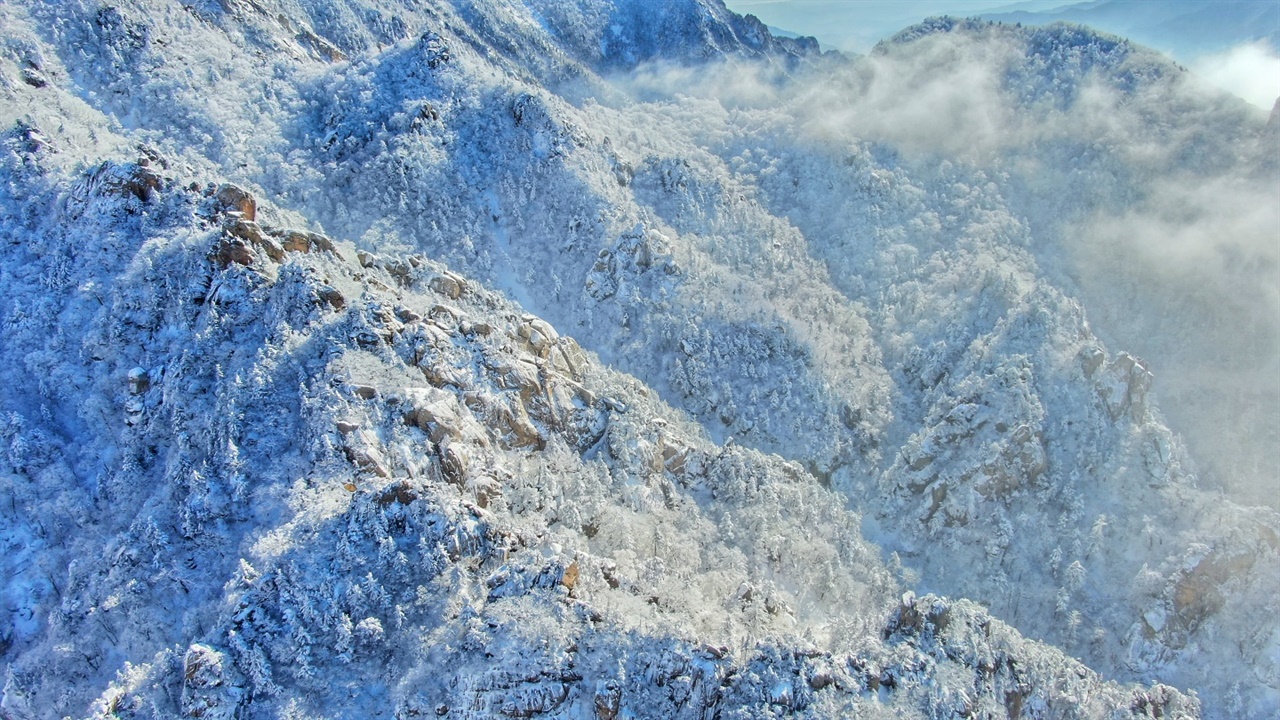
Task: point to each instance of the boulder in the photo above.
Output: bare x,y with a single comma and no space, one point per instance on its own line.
131,179
568,358
34,78
570,577
1198,594
537,336
406,315
305,242
252,233
403,492
515,374
139,381
448,315
482,329
448,285
675,457
518,430
401,271
1091,359
437,418
232,250
232,198
320,46
485,490
331,296
438,414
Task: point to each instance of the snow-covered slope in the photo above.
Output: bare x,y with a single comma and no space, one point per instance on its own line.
879,269
265,474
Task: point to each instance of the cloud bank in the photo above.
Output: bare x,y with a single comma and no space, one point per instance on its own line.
1250,71
1144,191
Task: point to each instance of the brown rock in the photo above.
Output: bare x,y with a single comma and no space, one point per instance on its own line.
232,250
515,373
331,296
401,271
141,182
320,46
1198,593
537,335
233,198
570,577
369,460
569,358
296,241
306,242
482,329
674,458
252,233
202,667
402,492
607,701
448,285
362,451
439,419
485,490
406,315
1092,359
445,314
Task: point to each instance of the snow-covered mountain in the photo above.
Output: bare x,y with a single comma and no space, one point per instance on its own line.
296,427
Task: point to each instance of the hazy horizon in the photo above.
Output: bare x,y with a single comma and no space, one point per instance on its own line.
856,26
1249,68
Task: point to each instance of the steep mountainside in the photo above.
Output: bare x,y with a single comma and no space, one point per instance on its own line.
321,477
269,475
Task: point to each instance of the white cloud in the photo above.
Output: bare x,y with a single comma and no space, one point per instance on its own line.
1251,71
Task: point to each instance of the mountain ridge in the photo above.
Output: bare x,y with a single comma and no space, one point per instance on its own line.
272,630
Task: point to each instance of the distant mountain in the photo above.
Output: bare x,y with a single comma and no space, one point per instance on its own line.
1186,28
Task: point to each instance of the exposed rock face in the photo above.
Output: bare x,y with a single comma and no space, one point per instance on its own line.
133,180
304,242
232,198
447,285
211,688
1124,386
